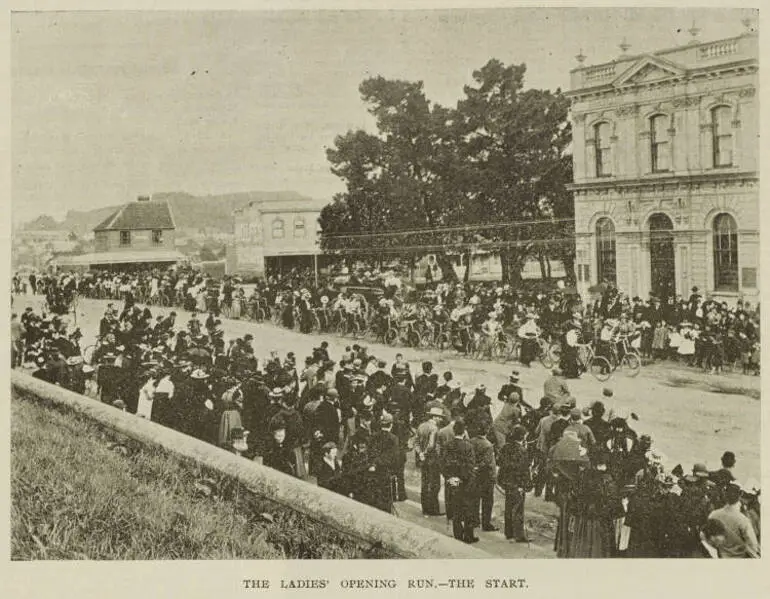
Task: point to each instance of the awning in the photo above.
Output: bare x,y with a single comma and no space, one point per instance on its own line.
135,257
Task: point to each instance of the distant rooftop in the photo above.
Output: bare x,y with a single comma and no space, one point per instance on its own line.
142,214
683,60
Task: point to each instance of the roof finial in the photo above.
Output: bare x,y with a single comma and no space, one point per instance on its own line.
580,57
624,46
694,32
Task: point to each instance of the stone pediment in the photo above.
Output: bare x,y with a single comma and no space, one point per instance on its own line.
648,69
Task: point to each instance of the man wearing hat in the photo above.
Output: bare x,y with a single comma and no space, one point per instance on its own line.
328,472
513,476
327,418
699,499
386,459
512,386
425,384
599,427
427,459
457,467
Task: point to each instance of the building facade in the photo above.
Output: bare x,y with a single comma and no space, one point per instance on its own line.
274,236
666,181
139,234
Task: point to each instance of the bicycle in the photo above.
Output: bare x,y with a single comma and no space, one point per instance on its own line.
405,332
629,360
588,361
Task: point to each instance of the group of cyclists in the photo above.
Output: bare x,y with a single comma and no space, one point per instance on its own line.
480,320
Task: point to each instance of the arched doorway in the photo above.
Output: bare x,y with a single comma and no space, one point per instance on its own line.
662,261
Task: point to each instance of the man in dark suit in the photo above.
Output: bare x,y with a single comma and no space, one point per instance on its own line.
457,466
327,419
485,469
514,477
386,459
328,472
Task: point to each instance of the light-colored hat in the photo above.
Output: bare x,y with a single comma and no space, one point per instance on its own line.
436,411
276,392
74,361
198,374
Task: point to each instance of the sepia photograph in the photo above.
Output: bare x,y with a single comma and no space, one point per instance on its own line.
385,284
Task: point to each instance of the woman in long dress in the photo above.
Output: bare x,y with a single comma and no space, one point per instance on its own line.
146,396
236,306
597,506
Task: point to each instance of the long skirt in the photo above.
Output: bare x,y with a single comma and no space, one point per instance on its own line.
592,538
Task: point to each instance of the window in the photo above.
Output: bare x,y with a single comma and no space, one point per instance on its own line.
278,231
725,253
605,251
659,146
157,237
299,227
125,238
602,149
722,137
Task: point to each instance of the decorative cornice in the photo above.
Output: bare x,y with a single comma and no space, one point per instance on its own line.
629,109
675,181
686,101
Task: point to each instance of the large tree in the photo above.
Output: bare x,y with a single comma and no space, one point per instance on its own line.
515,146
435,179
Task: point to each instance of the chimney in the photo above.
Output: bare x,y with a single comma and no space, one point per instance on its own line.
143,199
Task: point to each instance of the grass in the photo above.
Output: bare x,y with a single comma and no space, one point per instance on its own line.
82,492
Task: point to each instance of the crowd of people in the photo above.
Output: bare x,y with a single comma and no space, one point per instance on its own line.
696,331
352,423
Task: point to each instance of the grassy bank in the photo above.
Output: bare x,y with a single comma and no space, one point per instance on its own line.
80,492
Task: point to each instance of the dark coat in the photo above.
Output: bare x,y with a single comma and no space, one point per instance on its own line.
326,419
514,467
279,457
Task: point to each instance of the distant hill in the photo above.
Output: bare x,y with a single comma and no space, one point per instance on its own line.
190,212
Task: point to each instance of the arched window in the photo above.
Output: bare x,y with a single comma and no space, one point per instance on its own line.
725,253
605,251
659,147
278,231
721,136
602,149
299,227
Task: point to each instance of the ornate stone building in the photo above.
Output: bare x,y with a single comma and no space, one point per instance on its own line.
666,181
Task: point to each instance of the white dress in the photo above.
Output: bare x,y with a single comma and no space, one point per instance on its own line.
144,405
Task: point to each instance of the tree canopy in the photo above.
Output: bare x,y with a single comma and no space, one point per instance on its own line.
489,173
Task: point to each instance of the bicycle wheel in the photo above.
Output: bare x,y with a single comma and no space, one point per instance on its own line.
500,350
391,336
513,349
633,363
342,327
544,353
600,368
413,338
554,354
443,342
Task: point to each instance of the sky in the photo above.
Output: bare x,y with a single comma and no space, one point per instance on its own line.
106,106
